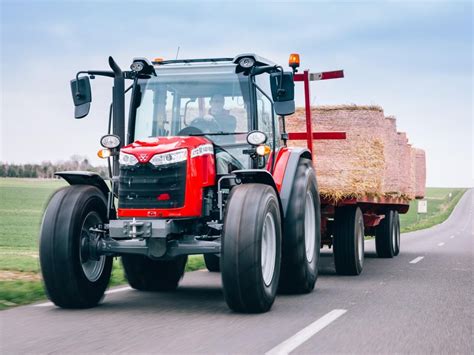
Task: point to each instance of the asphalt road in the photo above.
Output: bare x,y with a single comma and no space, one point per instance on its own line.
418,302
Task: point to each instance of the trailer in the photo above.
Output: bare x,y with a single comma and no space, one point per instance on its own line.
202,167
345,222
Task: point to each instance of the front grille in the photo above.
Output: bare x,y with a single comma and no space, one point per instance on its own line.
147,186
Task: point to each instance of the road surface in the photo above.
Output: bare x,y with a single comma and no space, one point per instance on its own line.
418,302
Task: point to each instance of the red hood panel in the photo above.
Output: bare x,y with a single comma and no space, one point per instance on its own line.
152,146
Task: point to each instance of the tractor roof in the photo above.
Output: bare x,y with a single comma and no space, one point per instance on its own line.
224,61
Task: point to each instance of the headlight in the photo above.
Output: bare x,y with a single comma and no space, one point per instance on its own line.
256,138
202,150
127,159
110,141
170,157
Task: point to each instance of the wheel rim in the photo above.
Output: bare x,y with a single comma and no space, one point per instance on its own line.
92,268
268,249
360,242
309,227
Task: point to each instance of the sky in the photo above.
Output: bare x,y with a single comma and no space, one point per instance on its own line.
413,58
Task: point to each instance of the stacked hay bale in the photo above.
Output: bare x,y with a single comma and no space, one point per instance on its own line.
420,173
374,160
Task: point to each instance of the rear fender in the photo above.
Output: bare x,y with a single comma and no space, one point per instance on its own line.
289,176
85,178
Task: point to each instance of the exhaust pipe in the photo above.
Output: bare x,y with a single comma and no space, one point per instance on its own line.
118,102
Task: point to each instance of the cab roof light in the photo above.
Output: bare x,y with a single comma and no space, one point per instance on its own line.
294,61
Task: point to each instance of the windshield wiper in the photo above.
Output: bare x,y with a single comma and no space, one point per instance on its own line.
217,134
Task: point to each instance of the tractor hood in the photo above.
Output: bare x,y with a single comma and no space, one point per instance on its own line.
145,149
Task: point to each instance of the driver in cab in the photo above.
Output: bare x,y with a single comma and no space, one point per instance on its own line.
227,123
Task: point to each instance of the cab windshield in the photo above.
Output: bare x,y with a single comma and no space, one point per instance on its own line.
208,99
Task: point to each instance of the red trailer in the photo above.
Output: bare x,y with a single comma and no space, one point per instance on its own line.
345,222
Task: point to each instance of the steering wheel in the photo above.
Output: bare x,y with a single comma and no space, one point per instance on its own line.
205,124
189,131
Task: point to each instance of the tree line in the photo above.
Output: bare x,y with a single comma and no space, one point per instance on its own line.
46,169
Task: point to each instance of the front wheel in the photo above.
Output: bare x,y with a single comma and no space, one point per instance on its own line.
73,277
251,248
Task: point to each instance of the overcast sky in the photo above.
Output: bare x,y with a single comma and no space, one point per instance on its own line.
412,58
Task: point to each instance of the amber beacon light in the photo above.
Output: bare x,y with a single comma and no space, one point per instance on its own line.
294,61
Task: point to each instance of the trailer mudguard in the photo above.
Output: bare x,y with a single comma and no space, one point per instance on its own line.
84,178
290,171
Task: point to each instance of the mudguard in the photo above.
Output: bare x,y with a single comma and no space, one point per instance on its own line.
290,172
84,178
259,176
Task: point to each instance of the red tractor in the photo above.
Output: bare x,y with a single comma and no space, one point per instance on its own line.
202,168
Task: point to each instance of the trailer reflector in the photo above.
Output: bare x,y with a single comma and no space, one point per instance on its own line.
336,74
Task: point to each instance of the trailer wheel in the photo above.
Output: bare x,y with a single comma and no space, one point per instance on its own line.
251,248
73,278
396,220
145,274
212,262
349,240
302,233
385,236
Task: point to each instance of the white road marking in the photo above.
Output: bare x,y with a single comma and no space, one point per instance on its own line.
114,290
441,244
306,333
451,237
417,259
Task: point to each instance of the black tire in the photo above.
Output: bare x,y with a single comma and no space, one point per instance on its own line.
145,274
67,219
385,233
299,271
249,208
348,240
396,220
212,262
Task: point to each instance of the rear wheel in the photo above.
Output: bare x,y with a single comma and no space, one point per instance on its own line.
73,277
251,248
386,236
212,262
349,240
396,220
145,274
302,235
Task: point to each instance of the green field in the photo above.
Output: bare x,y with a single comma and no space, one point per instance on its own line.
21,207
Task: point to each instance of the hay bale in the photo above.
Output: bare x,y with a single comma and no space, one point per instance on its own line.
353,167
404,166
420,173
391,178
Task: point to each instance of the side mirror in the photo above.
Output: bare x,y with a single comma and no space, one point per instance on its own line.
81,95
283,92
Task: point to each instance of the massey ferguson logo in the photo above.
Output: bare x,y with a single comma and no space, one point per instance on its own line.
142,157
